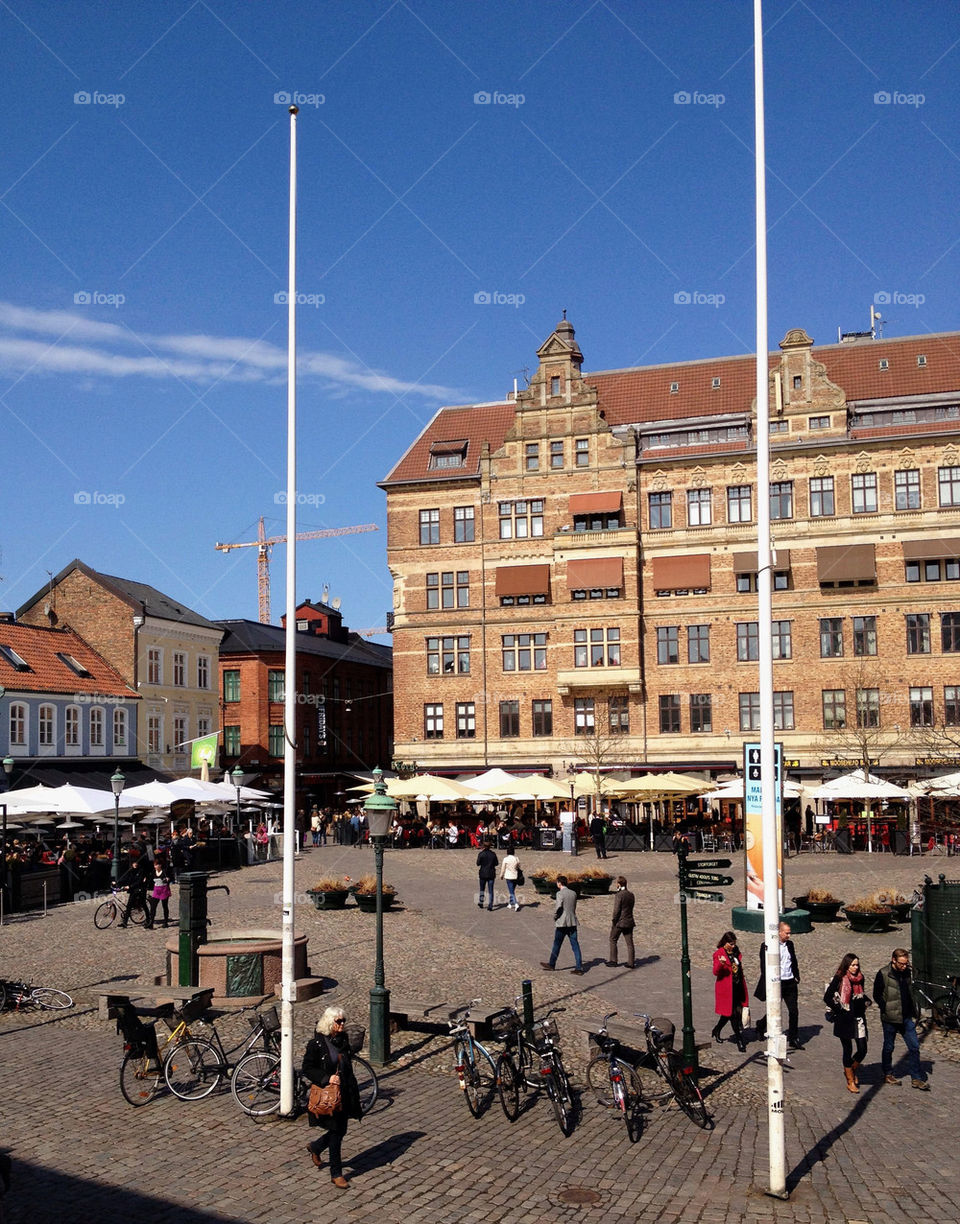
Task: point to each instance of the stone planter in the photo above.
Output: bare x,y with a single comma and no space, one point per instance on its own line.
901,910
819,911
869,922
328,899
368,901
548,888
592,886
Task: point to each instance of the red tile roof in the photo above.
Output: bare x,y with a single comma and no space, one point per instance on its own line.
38,646
474,425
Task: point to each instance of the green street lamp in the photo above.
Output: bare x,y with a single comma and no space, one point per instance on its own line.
380,810
237,776
117,783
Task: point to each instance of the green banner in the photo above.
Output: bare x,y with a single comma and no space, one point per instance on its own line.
204,751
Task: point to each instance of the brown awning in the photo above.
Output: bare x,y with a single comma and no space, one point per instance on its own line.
523,580
746,562
595,503
931,550
606,572
681,573
846,563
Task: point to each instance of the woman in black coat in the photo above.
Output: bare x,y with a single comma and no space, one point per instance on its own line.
848,1002
327,1061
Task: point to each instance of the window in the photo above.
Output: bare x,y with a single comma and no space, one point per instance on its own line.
448,454
661,511
48,721
781,499
556,455
179,669
581,452
555,385
818,422
950,632
831,637
783,711
948,482
748,641
699,507
154,733
779,426
532,456
18,725
231,741
868,708
821,496
74,664
275,685
921,707
433,592
918,633
864,491
521,520
701,712
120,730
749,711
600,520
466,720
180,734
448,655
275,740
906,489
746,583
668,644
669,713
698,643
782,639
96,727
618,715
463,524
14,659
951,705
429,526
203,725
946,570
448,589
584,716
739,504
542,712
71,727
524,652
203,671
154,666
834,703
433,721
596,647
509,719
798,382
864,636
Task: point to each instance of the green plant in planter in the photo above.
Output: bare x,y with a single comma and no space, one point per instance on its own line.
330,892
365,893
593,881
868,914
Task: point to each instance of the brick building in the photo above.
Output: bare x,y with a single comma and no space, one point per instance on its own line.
582,556
344,702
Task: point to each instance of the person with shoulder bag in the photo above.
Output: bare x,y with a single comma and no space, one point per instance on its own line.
848,1002
512,874
327,1064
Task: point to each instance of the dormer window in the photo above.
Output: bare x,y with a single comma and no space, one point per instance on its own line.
716,384
74,664
448,454
883,364
15,660
674,388
921,360
555,384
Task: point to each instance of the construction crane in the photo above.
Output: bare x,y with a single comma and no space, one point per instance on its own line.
264,543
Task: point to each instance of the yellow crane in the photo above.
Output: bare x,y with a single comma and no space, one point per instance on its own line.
264,543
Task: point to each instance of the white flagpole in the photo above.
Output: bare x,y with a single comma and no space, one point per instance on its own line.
288,987
769,824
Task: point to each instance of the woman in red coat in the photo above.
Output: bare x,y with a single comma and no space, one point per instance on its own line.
730,991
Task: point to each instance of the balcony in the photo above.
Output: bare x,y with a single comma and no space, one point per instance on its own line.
580,678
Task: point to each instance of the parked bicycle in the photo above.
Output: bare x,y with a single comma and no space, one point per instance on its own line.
197,1065
118,905
665,1073
19,996
532,1060
615,1083
944,1005
142,1068
476,1070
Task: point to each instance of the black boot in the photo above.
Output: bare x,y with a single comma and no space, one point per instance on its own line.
715,1032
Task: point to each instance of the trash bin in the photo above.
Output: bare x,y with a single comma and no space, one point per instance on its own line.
842,842
936,932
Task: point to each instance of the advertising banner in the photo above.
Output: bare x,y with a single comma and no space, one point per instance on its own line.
753,823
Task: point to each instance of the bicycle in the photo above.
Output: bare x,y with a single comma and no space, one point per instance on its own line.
476,1070
255,1084
944,1007
615,1083
529,1061
142,1068
664,1073
20,996
196,1066
119,906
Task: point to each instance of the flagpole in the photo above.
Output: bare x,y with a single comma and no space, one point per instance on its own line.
769,823
288,985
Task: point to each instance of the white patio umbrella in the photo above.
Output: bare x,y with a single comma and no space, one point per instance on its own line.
945,787
857,786
76,800
734,790
157,794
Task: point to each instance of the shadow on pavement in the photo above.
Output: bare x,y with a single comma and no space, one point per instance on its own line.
385,1152
819,1150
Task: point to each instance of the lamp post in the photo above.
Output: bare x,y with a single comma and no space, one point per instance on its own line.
117,783
379,810
572,773
7,769
237,776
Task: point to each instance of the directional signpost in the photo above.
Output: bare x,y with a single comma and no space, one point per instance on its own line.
697,880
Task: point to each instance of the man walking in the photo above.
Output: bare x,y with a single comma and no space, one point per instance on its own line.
565,926
789,983
599,835
487,864
898,1014
622,923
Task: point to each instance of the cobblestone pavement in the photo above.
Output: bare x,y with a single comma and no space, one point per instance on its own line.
81,1153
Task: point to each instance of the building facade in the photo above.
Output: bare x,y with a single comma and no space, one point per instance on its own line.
579,562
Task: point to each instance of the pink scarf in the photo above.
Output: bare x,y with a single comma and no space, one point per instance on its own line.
850,987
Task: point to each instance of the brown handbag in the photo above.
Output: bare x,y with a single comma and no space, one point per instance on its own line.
323,1101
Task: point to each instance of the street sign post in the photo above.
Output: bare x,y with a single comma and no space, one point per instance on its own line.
697,894
707,879
706,864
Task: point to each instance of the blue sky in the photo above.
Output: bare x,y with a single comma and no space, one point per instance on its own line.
466,171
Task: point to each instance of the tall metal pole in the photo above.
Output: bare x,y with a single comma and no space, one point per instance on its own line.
769,824
379,995
288,987
689,1034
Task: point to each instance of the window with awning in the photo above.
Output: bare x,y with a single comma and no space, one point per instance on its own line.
846,564
595,573
928,550
513,580
746,562
596,503
686,573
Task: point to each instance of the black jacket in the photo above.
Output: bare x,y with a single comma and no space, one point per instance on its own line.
845,1020
320,1060
487,862
761,990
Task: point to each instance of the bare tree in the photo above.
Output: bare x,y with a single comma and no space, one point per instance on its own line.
869,721
594,753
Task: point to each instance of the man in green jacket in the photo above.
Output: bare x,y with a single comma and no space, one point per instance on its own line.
898,1013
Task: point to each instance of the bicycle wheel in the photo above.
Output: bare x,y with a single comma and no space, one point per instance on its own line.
137,913
3,995
508,1085
564,1095
561,1105
193,1069
689,1097
52,1000
468,1075
367,1082
105,915
138,1083
946,1011
603,1076
655,1083
255,1083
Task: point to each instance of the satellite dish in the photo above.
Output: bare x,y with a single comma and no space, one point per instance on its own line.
336,604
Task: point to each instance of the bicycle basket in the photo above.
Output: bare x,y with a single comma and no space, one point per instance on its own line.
194,1008
505,1024
545,1030
666,1030
356,1034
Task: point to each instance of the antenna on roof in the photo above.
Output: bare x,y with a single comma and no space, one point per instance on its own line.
875,332
324,594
